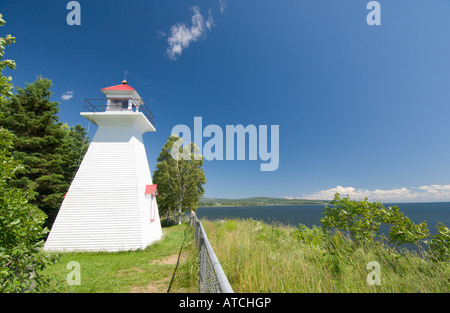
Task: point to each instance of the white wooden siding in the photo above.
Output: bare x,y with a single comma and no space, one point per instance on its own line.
105,208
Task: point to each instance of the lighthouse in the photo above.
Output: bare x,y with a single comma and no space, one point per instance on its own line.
111,203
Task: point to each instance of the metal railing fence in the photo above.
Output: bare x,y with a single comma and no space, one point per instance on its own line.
100,105
212,278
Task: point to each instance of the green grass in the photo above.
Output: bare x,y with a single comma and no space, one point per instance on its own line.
134,271
258,257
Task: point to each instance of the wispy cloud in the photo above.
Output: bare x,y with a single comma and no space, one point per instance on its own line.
182,36
222,5
403,194
67,95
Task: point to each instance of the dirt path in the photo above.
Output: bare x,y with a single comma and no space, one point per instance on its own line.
161,286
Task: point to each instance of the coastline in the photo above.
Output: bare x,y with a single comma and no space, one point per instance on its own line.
256,204
257,201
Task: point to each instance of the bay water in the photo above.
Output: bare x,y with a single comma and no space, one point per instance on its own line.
309,215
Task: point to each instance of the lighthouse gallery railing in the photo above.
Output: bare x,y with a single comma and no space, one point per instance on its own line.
212,278
101,105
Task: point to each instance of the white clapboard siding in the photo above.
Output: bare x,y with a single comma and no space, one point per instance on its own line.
105,208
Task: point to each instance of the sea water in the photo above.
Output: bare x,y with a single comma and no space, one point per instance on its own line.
309,215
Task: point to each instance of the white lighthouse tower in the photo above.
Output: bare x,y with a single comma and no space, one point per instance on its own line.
111,203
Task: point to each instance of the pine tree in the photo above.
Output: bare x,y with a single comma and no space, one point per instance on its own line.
21,230
48,149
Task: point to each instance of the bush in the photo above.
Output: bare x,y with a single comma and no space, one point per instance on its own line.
362,220
314,236
440,244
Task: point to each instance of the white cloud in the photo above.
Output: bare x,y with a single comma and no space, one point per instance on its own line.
67,95
209,22
222,5
182,36
404,194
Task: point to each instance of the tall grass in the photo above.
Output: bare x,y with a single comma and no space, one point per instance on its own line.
259,257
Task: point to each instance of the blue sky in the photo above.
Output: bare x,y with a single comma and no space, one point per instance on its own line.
361,109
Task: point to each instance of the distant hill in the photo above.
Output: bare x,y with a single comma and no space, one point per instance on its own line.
206,202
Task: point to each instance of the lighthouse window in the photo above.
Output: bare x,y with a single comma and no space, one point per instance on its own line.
119,104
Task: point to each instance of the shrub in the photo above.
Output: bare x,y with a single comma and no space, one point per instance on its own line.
440,244
315,236
360,219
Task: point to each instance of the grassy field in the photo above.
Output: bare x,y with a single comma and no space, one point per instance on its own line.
148,270
258,257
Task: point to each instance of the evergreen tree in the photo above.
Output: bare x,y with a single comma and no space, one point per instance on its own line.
48,149
21,230
21,223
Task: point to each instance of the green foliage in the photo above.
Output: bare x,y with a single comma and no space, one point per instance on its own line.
440,244
180,180
405,231
402,229
161,176
30,154
21,223
48,149
74,147
5,81
360,218
21,230
315,236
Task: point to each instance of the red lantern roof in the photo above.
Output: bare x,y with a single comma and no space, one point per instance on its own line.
123,86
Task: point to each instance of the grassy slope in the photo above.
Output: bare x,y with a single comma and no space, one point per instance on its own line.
257,257
136,271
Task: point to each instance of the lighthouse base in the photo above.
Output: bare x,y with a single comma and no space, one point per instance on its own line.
106,208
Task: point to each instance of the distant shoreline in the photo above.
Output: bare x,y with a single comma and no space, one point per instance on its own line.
267,201
257,204
257,201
